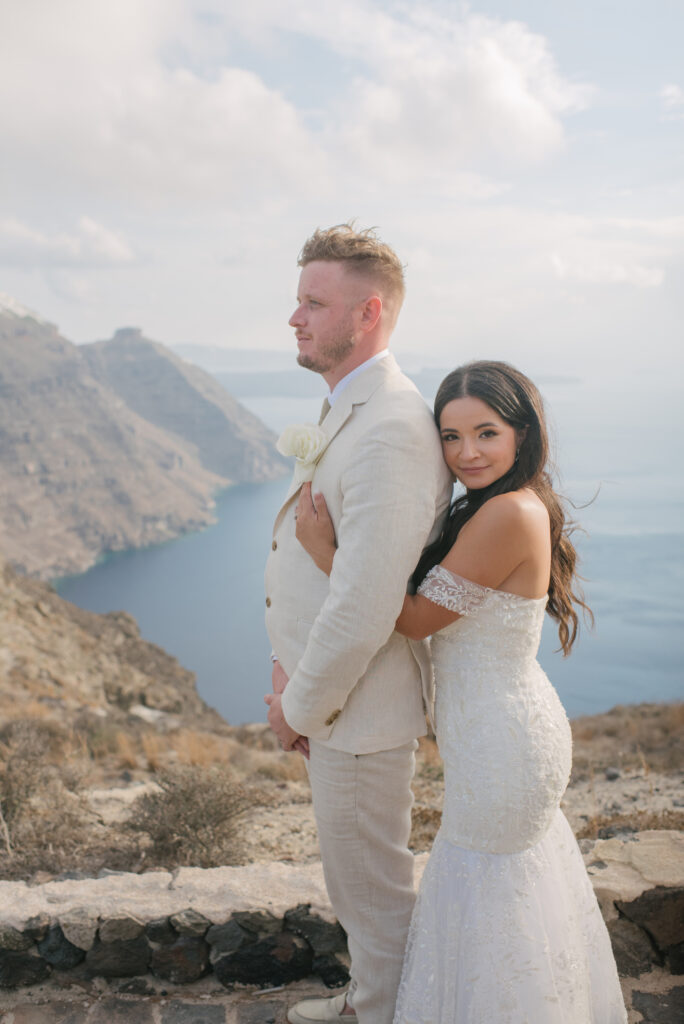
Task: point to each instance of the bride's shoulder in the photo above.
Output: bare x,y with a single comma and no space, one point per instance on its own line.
514,511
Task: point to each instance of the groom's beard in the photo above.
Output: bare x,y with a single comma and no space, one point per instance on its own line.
330,353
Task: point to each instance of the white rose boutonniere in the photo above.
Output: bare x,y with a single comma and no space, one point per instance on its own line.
307,442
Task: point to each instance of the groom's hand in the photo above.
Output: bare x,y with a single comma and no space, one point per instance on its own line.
276,719
280,680
278,677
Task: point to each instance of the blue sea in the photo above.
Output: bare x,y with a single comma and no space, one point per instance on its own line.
618,442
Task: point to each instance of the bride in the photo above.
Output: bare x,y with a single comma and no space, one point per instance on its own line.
506,927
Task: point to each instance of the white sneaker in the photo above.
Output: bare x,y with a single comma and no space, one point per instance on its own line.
321,1011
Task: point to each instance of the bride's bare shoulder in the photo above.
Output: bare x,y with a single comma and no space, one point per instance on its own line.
515,510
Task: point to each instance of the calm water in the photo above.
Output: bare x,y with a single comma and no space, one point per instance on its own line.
201,596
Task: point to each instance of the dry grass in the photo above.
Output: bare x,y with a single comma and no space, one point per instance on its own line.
198,748
126,752
154,750
425,822
207,782
603,826
428,761
212,778
649,737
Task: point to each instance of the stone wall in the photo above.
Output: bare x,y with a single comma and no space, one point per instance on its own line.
272,924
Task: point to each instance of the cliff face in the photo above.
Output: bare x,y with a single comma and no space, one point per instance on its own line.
110,446
186,402
59,661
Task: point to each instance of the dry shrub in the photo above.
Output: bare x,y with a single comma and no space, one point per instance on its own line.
194,819
40,779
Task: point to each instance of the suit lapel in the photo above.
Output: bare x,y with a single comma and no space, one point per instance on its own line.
357,392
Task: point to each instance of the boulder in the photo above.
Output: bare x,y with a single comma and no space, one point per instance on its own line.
184,961
275,960
121,959
660,913
122,928
19,969
12,939
190,922
56,949
639,880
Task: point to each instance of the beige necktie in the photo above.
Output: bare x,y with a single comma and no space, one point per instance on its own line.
325,409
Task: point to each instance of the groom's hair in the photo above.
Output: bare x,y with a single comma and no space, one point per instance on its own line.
362,253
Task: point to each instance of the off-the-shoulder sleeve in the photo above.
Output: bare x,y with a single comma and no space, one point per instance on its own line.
451,591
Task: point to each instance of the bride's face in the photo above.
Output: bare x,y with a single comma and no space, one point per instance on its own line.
478,446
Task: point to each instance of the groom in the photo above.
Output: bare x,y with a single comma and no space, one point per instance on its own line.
341,676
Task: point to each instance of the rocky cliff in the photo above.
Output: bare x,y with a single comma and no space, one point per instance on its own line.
58,662
110,446
186,402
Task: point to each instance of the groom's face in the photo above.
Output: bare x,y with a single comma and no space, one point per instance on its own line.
325,317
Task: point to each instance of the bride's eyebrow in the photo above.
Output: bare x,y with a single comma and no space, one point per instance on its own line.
454,430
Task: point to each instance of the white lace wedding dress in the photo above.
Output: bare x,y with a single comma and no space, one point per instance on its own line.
506,928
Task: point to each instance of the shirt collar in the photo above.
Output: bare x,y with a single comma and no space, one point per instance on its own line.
341,384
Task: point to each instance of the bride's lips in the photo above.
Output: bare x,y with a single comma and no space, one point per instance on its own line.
472,469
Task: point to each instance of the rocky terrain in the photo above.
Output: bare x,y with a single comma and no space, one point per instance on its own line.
58,662
110,762
110,446
105,716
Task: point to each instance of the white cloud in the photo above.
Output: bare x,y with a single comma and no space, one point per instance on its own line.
589,269
95,100
672,95
451,94
101,108
657,227
91,245
672,98
434,94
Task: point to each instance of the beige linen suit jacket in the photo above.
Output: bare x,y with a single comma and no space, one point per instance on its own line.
354,683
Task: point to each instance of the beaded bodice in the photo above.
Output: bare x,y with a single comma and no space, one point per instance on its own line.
502,731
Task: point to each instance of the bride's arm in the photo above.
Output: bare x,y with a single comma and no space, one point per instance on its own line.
419,617
488,548
499,538
314,529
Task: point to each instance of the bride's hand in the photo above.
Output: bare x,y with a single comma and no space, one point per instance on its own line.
314,528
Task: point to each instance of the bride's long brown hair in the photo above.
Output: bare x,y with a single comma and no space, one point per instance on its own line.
518,402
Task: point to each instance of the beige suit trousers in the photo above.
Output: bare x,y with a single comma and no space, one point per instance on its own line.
362,804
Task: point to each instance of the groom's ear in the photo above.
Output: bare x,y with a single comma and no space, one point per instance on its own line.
371,311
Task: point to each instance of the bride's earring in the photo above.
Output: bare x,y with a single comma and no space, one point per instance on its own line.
517,455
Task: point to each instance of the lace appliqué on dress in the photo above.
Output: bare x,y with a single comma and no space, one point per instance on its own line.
453,592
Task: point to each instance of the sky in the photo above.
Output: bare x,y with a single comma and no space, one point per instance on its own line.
164,160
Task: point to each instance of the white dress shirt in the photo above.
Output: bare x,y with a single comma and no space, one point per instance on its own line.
341,384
